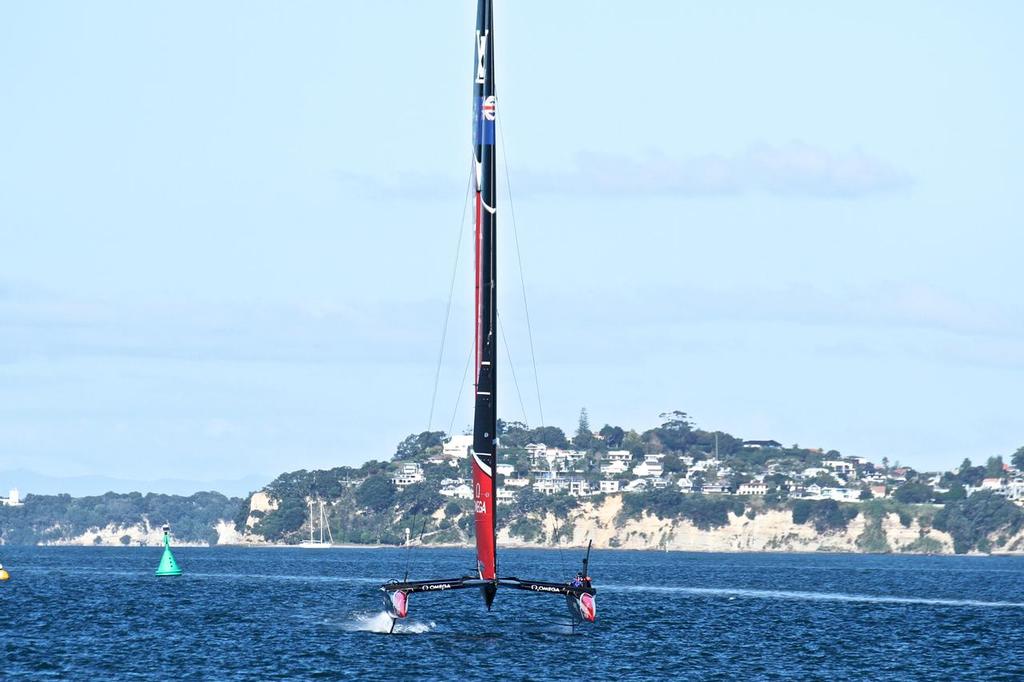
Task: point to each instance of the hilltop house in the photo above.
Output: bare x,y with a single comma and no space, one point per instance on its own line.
759,444
650,467
609,486
457,447
615,462
13,499
411,472
506,496
840,467
462,491
752,488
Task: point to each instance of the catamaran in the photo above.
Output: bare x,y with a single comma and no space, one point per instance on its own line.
579,593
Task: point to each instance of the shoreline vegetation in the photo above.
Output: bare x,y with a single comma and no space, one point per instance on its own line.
677,488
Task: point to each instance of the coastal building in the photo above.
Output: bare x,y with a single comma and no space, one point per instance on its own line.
579,487
650,467
411,472
878,491
717,488
635,486
457,447
13,499
609,486
505,469
685,485
506,496
752,488
624,456
841,467
462,491
762,444
517,482
614,468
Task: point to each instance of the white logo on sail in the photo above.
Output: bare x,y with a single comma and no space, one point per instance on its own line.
481,50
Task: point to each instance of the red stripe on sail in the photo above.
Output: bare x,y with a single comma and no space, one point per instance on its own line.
483,502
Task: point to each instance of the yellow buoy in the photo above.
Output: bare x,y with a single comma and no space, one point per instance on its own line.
4,575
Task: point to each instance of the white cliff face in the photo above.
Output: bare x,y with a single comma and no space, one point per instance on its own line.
771,531
134,535
262,503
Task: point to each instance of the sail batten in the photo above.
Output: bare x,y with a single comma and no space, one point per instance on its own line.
485,438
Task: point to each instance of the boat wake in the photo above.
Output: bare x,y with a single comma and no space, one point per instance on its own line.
815,596
380,622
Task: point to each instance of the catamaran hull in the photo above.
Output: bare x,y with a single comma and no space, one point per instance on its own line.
396,604
582,607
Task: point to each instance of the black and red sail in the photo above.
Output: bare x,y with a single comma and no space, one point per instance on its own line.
485,438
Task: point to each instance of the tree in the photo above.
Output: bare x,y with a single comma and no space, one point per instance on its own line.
675,432
671,463
552,436
613,436
994,467
376,493
584,436
885,464
1018,458
913,493
865,494
415,446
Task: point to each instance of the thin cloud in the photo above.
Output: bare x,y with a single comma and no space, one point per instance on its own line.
795,169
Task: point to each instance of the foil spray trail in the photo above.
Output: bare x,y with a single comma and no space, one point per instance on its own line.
380,622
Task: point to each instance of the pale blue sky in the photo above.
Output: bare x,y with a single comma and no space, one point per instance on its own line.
227,229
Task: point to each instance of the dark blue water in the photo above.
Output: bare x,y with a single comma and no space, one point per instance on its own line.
257,614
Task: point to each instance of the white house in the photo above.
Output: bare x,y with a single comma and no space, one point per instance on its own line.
685,484
506,496
609,486
761,444
13,499
617,456
650,467
517,482
411,472
716,488
457,447
505,469
839,466
461,491
579,487
636,485
752,488
614,468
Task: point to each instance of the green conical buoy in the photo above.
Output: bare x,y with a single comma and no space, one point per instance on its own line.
168,566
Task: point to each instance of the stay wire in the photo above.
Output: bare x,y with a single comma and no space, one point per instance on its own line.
519,258
462,387
512,369
451,296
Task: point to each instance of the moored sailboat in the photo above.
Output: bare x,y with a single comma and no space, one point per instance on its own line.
579,593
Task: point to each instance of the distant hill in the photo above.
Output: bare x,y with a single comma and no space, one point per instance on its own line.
77,486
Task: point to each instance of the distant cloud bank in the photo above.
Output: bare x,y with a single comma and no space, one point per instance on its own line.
794,169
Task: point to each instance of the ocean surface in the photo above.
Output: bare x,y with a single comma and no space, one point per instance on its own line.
273,614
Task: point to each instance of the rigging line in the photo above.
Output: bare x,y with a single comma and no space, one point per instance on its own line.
451,295
512,369
519,258
462,386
